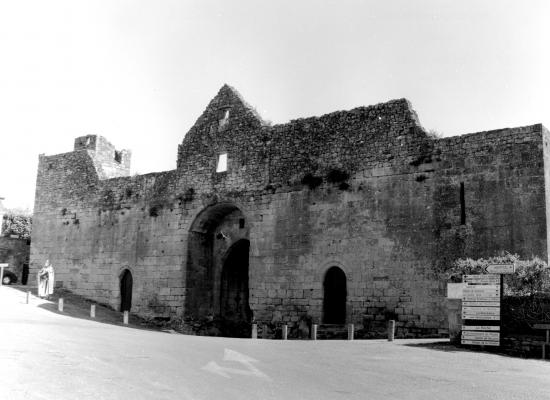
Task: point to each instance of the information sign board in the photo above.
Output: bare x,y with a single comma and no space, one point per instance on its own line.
480,342
481,310
487,279
480,303
500,268
481,335
480,328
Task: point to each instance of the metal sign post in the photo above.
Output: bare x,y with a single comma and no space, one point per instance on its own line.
481,305
481,300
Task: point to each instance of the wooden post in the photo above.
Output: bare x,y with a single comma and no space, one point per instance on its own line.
391,330
351,331
285,332
125,318
254,331
92,311
60,305
28,296
314,332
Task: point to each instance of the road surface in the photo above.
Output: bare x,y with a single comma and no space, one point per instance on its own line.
44,355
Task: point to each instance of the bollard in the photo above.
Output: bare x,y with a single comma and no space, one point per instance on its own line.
314,332
351,331
2,272
285,332
125,318
28,296
92,311
60,305
254,331
264,331
391,330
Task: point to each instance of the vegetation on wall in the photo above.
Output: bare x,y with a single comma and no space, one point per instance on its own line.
311,180
15,223
530,278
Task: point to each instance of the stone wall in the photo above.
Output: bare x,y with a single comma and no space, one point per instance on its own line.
365,190
15,252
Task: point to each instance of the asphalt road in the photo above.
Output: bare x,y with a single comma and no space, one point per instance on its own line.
44,355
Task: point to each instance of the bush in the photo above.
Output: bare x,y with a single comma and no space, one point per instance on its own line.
337,176
17,224
311,180
531,276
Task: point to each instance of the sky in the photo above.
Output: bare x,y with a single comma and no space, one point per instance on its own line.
141,72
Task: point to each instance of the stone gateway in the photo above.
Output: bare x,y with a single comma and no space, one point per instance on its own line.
351,217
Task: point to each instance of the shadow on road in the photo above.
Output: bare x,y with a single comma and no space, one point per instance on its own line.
76,306
453,348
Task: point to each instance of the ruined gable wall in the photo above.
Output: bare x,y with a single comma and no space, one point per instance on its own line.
378,230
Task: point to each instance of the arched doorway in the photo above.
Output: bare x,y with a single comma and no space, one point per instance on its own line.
234,304
126,283
335,295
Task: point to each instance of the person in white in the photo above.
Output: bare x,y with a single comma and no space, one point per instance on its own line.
46,279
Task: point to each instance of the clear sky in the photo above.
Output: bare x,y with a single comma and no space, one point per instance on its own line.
141,72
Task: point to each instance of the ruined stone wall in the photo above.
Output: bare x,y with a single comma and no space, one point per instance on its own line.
365,190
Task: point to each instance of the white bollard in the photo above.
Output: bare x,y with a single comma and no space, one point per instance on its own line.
254,331
125,318
92,311
2,271
351,331
391,330
285,332
28,296
314,332
60,305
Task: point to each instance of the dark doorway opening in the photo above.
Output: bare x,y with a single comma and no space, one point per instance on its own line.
126,283
335,294
25,274
234,306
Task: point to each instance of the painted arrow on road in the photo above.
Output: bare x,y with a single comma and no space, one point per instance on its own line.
232,355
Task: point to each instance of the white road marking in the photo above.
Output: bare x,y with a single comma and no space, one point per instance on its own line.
232,355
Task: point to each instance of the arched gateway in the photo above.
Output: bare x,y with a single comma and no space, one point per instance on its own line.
217,269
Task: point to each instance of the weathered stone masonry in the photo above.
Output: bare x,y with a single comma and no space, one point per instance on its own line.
366,190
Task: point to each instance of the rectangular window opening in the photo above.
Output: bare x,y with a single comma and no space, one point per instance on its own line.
222,163
462,205
241,223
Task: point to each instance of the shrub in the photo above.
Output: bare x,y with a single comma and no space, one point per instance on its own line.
531,276
312,181
337,176
17,224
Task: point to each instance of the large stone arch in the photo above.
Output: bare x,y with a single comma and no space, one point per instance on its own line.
213,234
